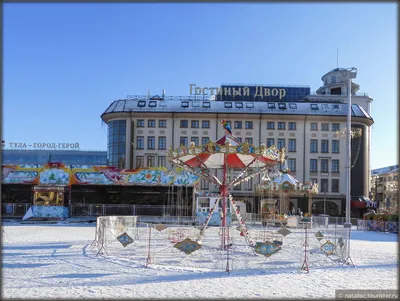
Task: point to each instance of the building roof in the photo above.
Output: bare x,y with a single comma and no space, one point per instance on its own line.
385,170
54,151
146,105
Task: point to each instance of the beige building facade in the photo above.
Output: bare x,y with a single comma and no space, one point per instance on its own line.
142,128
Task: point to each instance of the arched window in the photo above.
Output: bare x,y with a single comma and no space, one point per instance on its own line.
333,79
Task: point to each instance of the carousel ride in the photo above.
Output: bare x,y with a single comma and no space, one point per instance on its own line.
228,247
225,154
283,186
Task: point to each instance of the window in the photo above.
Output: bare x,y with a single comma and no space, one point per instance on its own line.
335,165
282,106
336,107
248,185
249,140
270,125
313,165
162,162
152,104
185,104
205,140
324,185
249,105
313,146
335,185
281,125
162,142
140,142
239,140
333,80
314,181
271,106
248,124
239,105
324,165
335,127
270,142
140,123
195,124
151,161
237,187
228,105
314,126
183,141
184,124
162,123
206,104
324,126
141,104
204,185
292,164
314,106
151,142
116,144
281,143
195,140
324,146
205,124
195,104
292,126
324,106
293,106
139,161
335,146
292,145
151,123
238,124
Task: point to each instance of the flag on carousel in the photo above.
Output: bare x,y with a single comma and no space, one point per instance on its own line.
227,127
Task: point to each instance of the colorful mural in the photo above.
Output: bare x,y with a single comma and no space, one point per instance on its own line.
12,174
46,212
59,174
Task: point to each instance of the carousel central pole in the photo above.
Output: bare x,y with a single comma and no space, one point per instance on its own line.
223,211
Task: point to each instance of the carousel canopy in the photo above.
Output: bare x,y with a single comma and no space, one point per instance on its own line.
285,178
226,152
223,140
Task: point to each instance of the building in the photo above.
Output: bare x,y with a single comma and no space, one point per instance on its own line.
309,125
385,186
42,156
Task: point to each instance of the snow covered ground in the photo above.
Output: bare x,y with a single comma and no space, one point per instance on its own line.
50,261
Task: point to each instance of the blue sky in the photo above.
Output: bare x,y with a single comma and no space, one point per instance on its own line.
64,63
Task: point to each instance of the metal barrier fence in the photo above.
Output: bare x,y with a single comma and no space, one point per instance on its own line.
380,226
12,210
254,219
148,213
220,248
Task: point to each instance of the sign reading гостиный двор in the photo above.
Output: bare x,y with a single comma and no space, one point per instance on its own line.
255,91
40,145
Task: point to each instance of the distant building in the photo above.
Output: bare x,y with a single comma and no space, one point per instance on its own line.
385,186
309,125
40,157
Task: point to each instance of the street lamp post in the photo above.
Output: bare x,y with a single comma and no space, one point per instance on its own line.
351,73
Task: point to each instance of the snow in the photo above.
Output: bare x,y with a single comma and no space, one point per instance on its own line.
57,261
